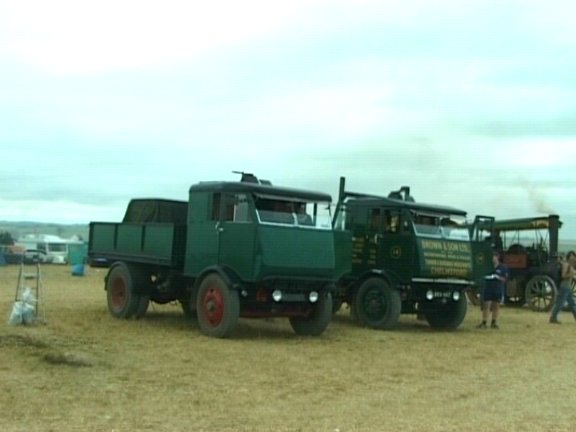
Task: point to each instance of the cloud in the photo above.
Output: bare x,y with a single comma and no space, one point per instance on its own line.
66,36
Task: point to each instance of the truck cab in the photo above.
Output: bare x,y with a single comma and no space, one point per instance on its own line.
259,232
234,249
397,256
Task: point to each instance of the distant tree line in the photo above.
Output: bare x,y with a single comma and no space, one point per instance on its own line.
6,238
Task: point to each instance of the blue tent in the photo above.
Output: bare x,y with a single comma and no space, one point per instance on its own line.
2,259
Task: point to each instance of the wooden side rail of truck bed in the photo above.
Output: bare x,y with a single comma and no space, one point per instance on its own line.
157,243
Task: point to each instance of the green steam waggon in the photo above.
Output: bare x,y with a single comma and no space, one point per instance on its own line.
234,249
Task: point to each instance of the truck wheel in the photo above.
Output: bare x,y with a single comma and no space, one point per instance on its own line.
540,293
217,307
142,308
122,284
448,316
377,305
317,321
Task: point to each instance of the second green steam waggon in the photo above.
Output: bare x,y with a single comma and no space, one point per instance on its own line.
394,255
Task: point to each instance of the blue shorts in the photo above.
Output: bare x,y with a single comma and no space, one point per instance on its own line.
493,291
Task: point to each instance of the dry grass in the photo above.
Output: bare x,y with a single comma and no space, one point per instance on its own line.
85,371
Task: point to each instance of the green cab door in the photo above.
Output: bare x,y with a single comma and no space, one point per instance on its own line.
236,235
202,242
219,225
379,243
394,247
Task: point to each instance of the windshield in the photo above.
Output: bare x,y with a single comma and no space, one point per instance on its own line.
57,247
441,226
283,211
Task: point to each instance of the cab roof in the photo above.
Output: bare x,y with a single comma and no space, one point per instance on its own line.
260,189
376,201
525,224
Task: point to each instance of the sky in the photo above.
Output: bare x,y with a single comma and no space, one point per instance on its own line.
472,104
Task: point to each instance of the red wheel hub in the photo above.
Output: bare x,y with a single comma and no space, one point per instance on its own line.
118,294
213,306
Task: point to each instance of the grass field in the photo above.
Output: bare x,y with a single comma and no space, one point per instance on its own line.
82,370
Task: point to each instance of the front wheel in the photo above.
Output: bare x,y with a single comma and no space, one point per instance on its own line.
318,320
448,316
217,307
377,305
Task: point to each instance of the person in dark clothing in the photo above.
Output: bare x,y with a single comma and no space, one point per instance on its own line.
493,292
565,295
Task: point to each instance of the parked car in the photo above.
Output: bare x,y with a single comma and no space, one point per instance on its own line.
33,256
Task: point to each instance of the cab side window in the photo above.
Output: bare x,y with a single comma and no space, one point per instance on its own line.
236,208
215,208
375,220
392,221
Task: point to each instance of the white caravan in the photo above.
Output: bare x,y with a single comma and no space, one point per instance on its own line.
55,248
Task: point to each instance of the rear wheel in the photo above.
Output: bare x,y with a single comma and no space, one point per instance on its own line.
448,316
217,307
318,320
377,305
124,285
540,293
142,308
